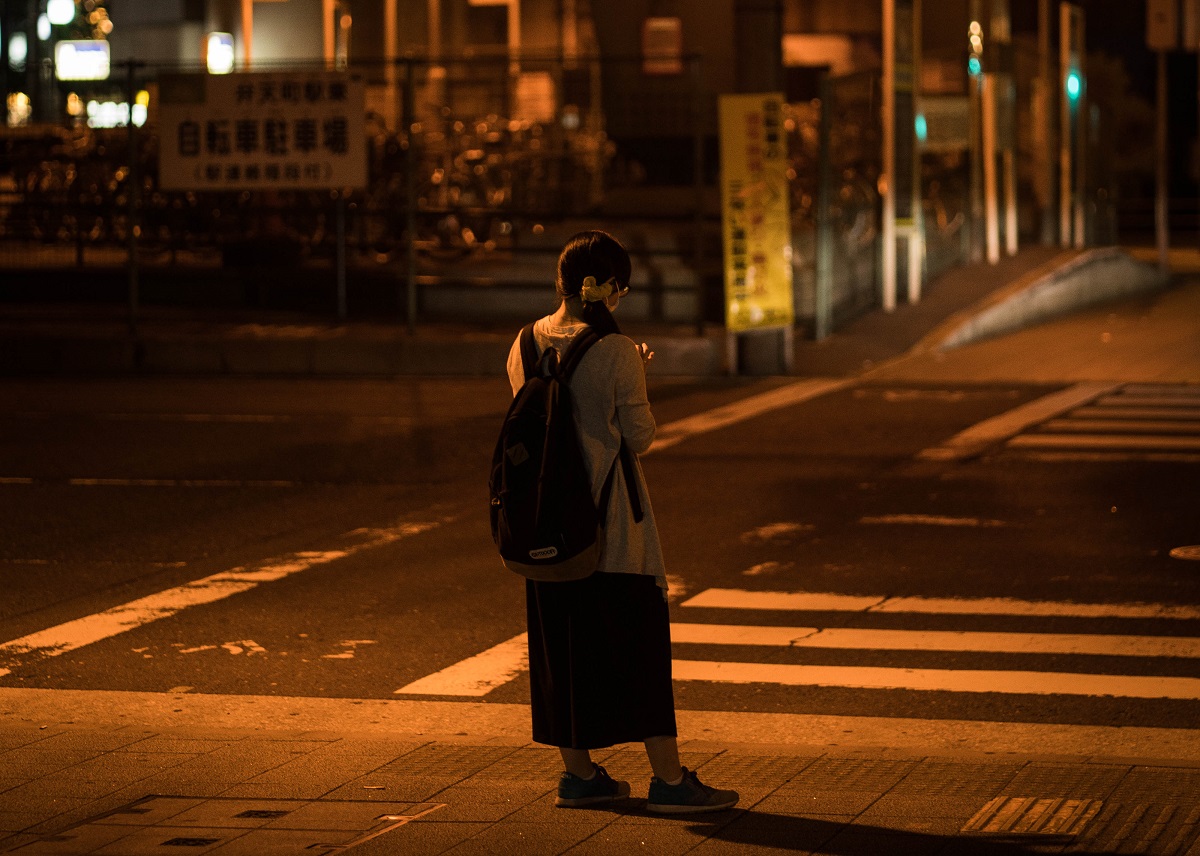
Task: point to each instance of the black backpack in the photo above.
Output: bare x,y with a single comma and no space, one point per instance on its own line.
544,520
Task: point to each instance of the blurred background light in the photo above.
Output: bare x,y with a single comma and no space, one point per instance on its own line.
220,53
61,12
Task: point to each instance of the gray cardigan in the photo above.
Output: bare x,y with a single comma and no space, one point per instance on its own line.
608,394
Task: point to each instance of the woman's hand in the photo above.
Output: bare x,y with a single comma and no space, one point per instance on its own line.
645,353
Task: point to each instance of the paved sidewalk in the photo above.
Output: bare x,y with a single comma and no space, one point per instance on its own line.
135,773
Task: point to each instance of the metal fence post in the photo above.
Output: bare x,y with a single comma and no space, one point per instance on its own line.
823,296
698,179
410,195
341,254
134,198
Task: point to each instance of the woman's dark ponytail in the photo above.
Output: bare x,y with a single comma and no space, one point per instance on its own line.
598,254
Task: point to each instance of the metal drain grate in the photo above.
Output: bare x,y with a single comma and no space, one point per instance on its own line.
1033,816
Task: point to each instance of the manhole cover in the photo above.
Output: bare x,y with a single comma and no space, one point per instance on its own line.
1191,552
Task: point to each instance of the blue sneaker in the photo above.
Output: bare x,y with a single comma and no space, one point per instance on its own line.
688,797
574,792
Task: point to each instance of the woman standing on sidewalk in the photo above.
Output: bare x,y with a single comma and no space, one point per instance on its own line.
600,647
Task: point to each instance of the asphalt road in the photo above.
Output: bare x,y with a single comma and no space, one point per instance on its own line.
340,529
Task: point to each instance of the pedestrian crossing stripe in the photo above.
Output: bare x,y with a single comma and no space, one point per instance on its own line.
1141,422
831,602
1101,422
479,675
939,680
937,640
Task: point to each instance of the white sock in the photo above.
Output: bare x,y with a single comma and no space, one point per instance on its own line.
592,776
678,781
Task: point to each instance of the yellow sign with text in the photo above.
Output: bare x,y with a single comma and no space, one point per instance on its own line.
756,214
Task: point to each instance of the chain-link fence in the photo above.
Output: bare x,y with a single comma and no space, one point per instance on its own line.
477,169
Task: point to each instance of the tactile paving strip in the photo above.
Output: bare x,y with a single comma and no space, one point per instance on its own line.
1149,828
1032,816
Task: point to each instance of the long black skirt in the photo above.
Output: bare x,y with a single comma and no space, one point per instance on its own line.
599,661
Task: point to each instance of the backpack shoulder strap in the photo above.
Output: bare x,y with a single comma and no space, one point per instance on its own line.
580,346
529,352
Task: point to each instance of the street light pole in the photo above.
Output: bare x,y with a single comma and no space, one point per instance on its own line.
887,179
1161,232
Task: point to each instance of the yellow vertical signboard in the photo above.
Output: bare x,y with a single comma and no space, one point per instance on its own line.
756,215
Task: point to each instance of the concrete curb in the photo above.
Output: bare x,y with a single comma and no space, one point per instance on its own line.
508,724
1069,282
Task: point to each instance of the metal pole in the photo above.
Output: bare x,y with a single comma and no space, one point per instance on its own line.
916,232
1082,126
390,41
889,155
1008,161
133,198
823,299
1046,156
1065,170
1161,226
341,255
410,196
247,31
698,182
991,206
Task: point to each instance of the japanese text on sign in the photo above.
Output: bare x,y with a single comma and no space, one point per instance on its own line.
756,218
302,131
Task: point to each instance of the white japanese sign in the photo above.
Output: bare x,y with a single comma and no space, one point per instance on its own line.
262,131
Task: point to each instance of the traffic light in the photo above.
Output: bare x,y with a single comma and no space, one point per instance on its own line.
975,48
1073,86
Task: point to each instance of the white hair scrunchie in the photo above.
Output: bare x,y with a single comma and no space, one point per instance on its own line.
593,293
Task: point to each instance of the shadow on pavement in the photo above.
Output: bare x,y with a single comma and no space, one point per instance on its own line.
836,838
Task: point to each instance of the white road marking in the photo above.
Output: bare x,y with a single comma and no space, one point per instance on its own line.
937,640
765,568
827,602
747,408
1104,441
1132,414
1166,389
930,520
775,531
478,675
1111,457
973,440
351,645
939,680
80,482
1125,400
71,635
1138,426
15,480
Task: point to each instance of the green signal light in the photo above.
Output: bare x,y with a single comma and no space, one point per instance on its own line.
974,65
1074,85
